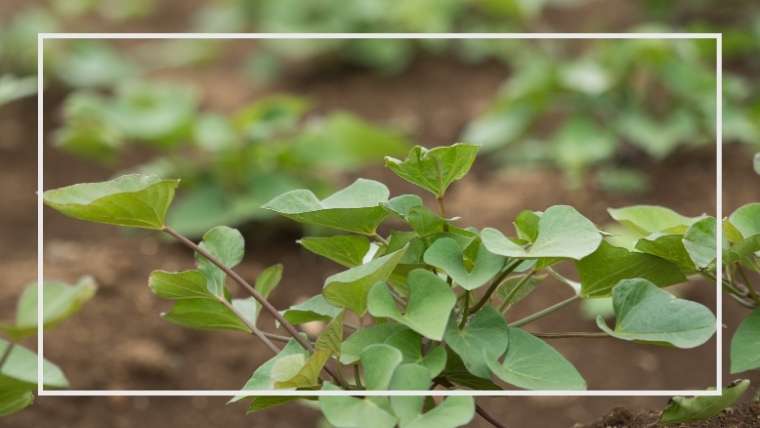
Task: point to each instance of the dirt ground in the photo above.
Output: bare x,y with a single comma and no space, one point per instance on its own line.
119,341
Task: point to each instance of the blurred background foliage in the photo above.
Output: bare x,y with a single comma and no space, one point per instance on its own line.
592,109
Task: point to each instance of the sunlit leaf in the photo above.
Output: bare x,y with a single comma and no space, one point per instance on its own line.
647,219
130,200
434,169
346,250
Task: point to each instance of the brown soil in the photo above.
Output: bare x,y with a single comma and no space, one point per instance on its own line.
119,341
742,416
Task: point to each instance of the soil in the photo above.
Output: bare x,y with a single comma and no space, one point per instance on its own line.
745,415
119,342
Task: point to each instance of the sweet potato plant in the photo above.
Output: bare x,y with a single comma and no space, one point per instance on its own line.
18,365
422,301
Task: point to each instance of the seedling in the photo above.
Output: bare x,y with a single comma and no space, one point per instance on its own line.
18,365
422,302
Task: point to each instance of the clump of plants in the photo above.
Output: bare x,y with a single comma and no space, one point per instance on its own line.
421,301
231,164
18,364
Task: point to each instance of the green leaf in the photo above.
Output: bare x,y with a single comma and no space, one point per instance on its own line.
435,169
645,313
447,255
425,222
379,362
349,289
409,377
189,284
262,377
356,208
526,225
700,242
352,347
668,247
648,219
314,309
562,232
263,402
483,338
452,412
327,345
745,345
608,265
531,363
130,200
204,315
266,282
14,398
428,309
228,246
402,205
746,219
346,250
457,373
351,412
21,368
756,163
506,289
61,300
692,409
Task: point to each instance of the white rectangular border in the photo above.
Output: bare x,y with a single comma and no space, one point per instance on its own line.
718,37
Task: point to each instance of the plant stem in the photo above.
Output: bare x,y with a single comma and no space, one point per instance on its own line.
465,309
6,354
544,312
572,335
357,376
254,330
441,206
490,419
255,293
748,284
513,292
380,238
494,285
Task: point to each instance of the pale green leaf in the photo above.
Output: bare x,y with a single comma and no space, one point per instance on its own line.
447,255
452,412
700,242
562,232
130,200
356,208
434,169
692,409
262,379
483,338
745,345
409,377
352,347
21,367
379,362
648,219
647,314
349,289
428,308
352,412
608,265
668,247
228,246
315,308
531,363
746,219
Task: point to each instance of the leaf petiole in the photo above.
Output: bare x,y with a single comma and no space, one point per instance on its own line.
544,312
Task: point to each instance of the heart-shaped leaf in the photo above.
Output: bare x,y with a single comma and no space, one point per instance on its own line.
352,347
379,362
131,200
689,409
348,289
346,250
314,309
452,412
608,265
356,208
447,255
562,232
61,300
648,219
746,219
531,363
700,242
428,309
228,246
745,345
645,313
434,169
351,412
457,373
668,247
483,338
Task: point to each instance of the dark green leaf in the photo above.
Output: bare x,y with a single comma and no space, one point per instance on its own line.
435,169
483,338
346,250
